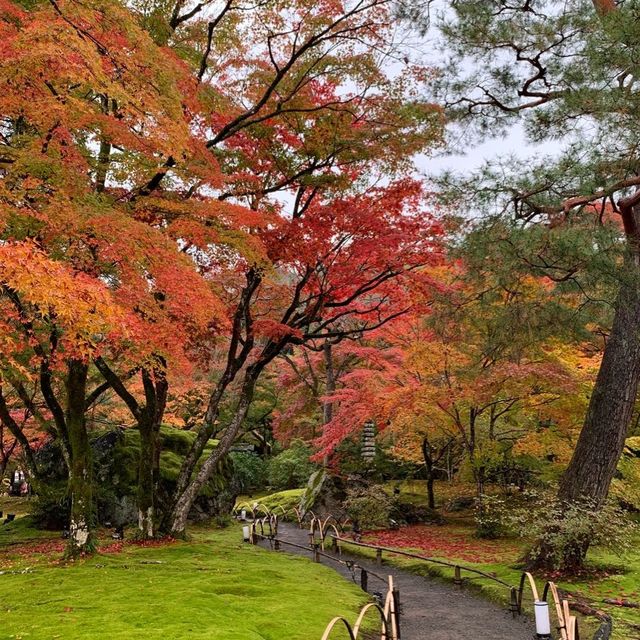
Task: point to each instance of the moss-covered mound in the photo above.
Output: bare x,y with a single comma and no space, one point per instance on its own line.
116,456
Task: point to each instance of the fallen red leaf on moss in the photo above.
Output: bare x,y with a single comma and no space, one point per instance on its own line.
45,548
117,547
447,542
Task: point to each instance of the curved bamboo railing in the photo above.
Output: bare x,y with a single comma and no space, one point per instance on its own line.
319,529
567,624
388,617
254,508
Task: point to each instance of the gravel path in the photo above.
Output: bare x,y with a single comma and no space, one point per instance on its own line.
430,609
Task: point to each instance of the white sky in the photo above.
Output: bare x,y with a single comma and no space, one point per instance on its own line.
472,157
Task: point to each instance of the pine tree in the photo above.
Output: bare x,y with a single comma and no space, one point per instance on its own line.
568,71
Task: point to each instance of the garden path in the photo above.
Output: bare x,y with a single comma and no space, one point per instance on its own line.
431,609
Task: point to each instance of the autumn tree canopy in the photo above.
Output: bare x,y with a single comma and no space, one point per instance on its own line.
180,185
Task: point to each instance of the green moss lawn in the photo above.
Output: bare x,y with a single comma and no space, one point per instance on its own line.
212,587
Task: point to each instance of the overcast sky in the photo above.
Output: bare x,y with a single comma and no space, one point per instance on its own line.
473,157
428,50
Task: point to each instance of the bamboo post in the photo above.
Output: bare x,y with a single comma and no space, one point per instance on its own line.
396,610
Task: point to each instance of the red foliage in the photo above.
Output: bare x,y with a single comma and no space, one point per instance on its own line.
446,542
46,547
57,546
118,547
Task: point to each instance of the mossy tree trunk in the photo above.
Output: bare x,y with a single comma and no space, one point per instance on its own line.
184,502
240,347
148,417
330,388
155,388
80,475
145,494
427,455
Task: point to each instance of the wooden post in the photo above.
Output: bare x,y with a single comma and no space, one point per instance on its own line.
513,605
379,557
457,580
364,579
316,553
276,544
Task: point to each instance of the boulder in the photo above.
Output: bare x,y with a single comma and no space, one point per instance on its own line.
116,456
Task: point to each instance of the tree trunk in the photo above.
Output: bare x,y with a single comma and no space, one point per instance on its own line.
205,432
145,498
599,447
236,358
327,407
104,154
428,461
184,502
80,475
156,458
601,440
150,417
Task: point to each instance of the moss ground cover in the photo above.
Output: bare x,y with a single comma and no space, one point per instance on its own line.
22,530
212,587
287,500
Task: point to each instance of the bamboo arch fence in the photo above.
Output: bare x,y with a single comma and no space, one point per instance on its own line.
389,618
264,526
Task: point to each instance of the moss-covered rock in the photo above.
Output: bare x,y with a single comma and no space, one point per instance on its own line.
116,456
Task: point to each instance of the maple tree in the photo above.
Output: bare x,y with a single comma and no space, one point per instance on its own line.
147,159
322,292
323,125
308,382
489,393
54,338
84,275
